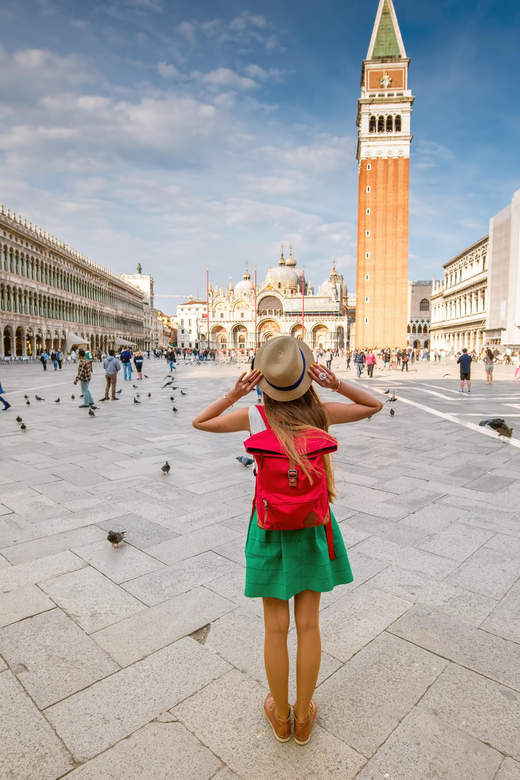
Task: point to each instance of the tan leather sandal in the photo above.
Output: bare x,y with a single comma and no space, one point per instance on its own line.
281,728
302,729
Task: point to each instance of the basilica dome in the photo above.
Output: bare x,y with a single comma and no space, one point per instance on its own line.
244,287
284,275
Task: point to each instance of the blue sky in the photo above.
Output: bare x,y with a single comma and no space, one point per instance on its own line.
192,133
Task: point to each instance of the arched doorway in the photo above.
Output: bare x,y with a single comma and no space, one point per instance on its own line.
29,342
239,336
219,338
296,332
8,341
427,344
340,337
267,330
320,337
19,341
417,344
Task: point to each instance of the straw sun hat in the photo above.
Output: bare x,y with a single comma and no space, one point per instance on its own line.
284,363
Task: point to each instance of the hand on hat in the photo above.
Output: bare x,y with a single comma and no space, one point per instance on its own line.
244,384
316,372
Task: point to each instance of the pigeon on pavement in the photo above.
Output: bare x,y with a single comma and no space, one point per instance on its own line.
100,401
149,395
172,398
91,413
19,419
244,460
119,391
498,425
136,401
166,468
386,392
28,402
135,387
26,397
38,398
174,409
73,396
146,376
115,537
392,412
23,427
183,393
57,401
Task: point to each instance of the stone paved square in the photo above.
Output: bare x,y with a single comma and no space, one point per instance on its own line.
119,663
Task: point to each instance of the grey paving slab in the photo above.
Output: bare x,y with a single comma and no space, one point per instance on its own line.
35,508
461,643
425,746
91,600
389,530
505,544
23,602
433,518
153,753
15,529
489,483
179,577
30,748
150,630
52,657
194,543
140,532
242,737
207,515
37,571
458,541
487,572
225,774
449,599
61,491
118,563
231,586
366,699
86,722
505,618
349,624
407,557
509,770
50,545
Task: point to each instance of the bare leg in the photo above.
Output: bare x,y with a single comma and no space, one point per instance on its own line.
308,657
469,384
276,656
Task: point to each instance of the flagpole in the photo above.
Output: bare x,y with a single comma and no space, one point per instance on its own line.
207,303
256,332
303,305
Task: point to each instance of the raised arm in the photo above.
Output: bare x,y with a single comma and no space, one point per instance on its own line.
363,404
211,418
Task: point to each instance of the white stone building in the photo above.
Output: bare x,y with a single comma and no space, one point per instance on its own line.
242,317
459,301
419,314
503,316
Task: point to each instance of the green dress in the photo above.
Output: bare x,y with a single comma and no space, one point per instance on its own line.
282,563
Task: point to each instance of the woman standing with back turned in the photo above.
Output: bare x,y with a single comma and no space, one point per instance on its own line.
286,563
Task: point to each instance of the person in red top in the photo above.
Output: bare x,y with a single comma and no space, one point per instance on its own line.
84,376
370,362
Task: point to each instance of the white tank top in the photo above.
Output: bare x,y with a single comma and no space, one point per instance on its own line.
256,422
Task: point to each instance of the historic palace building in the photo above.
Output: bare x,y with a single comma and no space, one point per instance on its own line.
459,301
419,314
50,295
383,153
243,317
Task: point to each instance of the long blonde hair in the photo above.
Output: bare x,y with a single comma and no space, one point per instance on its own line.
290,419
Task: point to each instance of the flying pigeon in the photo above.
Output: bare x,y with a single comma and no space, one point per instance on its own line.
115,537
38,398
28,402
174,409
392,412
23,427
183,393
136,401
244,460
73,397
57,401
91,413
18,419
500,426
166,468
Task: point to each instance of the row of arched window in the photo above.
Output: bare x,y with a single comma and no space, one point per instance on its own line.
385,124
417,329
23,264
22,301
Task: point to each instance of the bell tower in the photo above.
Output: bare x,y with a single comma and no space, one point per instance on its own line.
383,153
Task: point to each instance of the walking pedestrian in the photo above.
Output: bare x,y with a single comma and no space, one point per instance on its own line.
2,399
404,361
328,359
84,376
126,357
348,357
111,365
44,357
54,359
359,362
489,361
465,370
59,357
138,363
170,357
370,362
282,564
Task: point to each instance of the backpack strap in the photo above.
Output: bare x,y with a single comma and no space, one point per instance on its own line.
263,415
330,539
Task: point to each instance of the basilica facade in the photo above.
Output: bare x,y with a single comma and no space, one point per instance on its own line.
284,304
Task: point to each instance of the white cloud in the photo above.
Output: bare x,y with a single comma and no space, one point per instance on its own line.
187,30
167,70
257,72
325,156
224,77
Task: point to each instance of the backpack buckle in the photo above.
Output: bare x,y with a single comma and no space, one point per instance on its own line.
292,475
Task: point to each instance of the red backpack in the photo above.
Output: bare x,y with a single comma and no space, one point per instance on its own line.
285,499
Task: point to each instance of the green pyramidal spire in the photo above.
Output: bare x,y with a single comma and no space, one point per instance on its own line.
387,42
